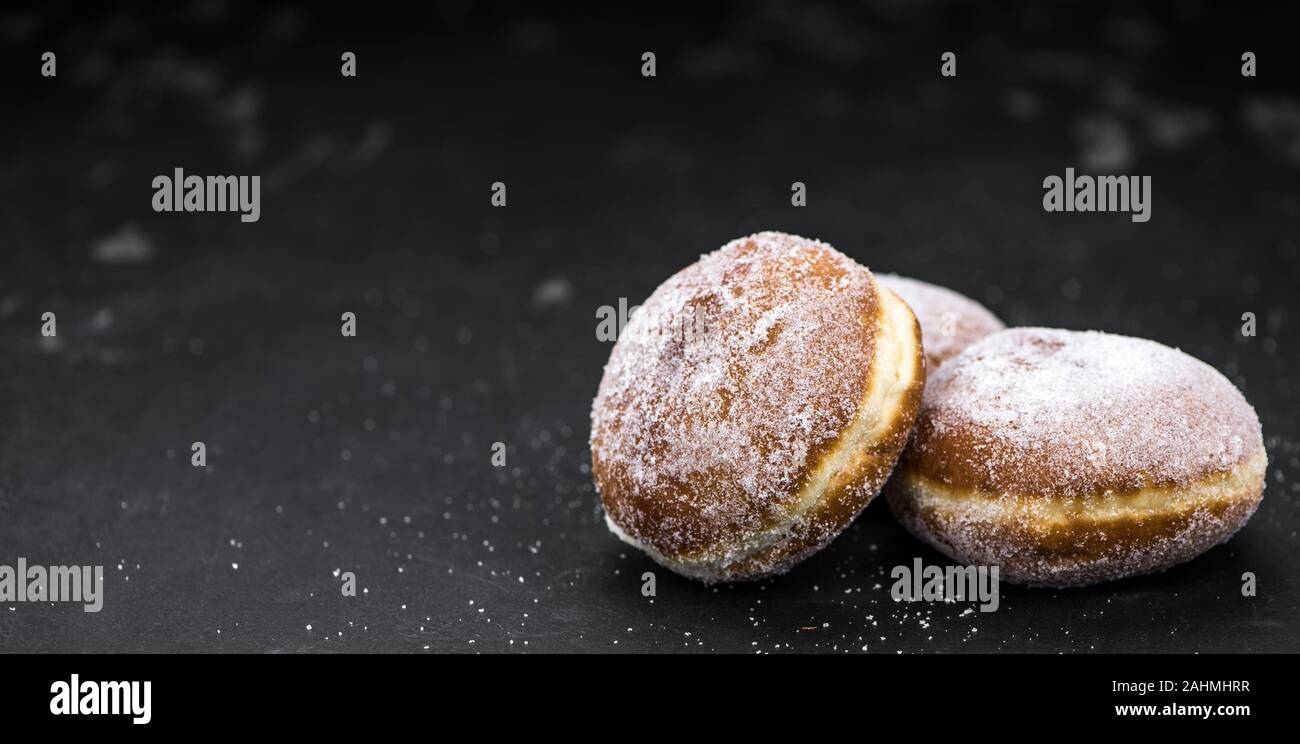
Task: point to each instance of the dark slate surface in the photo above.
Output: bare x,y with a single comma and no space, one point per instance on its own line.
477,324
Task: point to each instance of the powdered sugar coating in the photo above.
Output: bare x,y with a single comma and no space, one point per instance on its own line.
702,439
1069,458
949,321
1035,410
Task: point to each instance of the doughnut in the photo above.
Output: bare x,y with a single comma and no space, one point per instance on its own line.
1067,458
751,408
949,321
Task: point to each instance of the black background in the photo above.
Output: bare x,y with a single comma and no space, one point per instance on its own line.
477,324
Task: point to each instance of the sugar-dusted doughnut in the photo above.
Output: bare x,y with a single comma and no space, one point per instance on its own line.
753,406
1068,458
949,321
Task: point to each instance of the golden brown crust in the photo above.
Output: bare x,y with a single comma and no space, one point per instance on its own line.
854,484
721,455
